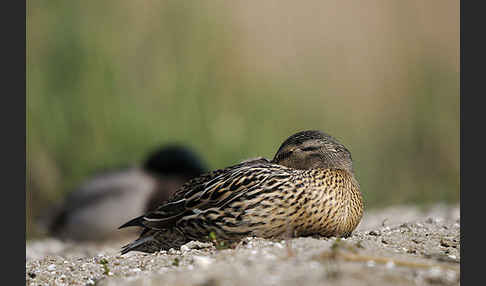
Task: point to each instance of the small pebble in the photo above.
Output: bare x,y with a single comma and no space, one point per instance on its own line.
172,251
202,261
444,243
51,267
435,271
184,248
371,263
279,245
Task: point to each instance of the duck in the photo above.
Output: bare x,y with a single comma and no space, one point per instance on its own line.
307,189
91,212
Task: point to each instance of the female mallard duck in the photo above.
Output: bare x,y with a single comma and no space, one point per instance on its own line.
91,212
307,189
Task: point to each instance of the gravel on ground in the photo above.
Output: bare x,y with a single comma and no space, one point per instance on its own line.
399,245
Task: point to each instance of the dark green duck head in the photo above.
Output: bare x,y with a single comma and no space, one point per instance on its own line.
174,160
313,149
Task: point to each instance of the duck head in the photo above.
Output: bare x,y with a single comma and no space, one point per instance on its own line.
313,149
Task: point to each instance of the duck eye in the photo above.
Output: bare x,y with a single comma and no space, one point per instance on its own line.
310,148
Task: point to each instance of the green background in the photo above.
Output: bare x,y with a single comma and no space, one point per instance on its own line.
109,81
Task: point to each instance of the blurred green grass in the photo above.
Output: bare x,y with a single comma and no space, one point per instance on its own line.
109,81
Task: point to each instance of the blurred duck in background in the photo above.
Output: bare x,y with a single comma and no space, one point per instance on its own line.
95,210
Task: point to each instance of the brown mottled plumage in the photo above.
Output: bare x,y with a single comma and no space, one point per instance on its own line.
307,189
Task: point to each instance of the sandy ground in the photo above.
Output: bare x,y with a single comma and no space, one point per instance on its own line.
400,245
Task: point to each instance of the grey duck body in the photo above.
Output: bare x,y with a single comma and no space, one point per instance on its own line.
91,212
